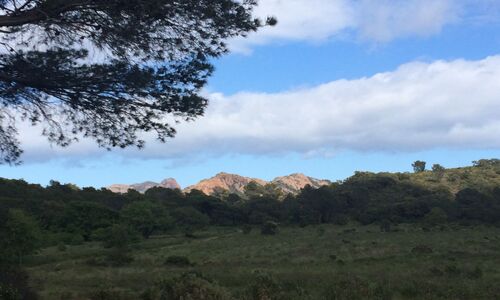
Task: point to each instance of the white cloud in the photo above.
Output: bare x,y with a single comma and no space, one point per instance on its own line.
385,20
419,106
376,21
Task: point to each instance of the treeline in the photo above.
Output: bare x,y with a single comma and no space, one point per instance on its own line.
73,215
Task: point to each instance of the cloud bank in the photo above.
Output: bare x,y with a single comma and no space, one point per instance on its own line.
375,21
419,106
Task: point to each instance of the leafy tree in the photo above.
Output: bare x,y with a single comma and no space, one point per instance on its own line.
255,190
438,171
189,220
471,204
418,166
269,228
110,69
118,237
84,217
146,217
19,236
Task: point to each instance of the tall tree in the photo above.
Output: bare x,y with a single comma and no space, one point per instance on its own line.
19,236
418,166
110,69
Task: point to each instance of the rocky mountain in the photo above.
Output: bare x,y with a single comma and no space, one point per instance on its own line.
224,181
236,184
169,183
292,184
230,182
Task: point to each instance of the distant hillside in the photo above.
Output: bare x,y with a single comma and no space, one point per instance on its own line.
483,175
168,183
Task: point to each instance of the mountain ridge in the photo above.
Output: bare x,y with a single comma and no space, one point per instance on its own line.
233,183
169,183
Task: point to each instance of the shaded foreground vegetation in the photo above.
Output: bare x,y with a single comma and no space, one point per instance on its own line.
431,235
315,262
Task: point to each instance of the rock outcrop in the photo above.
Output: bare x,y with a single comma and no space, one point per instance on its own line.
292,184
224,181
169,183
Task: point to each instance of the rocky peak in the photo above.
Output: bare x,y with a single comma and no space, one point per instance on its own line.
293,183
224,181
169,183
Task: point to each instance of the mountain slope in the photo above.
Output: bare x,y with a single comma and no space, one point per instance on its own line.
293,183
169,183
224,181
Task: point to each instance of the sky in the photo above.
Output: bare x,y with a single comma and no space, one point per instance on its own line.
337,86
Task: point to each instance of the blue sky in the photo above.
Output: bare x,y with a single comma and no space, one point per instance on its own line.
337,86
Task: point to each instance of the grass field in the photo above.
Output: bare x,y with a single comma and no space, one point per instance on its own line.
315,262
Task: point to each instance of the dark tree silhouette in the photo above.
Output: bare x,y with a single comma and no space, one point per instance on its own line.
418,166
110,69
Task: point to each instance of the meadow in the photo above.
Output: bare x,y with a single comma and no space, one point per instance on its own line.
313,262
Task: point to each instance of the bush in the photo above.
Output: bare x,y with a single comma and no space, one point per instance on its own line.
14,284
264,286
246,229
477,273
269,228
452,270
74,239
61,247
385,226
106,294
118,236
188,286
341,220
421,249
320,231
435,217
179,261
117,258
353,288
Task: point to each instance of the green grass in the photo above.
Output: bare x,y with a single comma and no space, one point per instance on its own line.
299,259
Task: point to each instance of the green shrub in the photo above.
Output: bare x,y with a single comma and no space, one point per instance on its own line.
61,247
117,258
269,228
341,220
106,294
385,226
190,286
421,249
477,273
264,286
179,261
354,288
246,229
320,231
452,270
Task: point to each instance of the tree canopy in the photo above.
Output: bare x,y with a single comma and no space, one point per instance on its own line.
110,69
